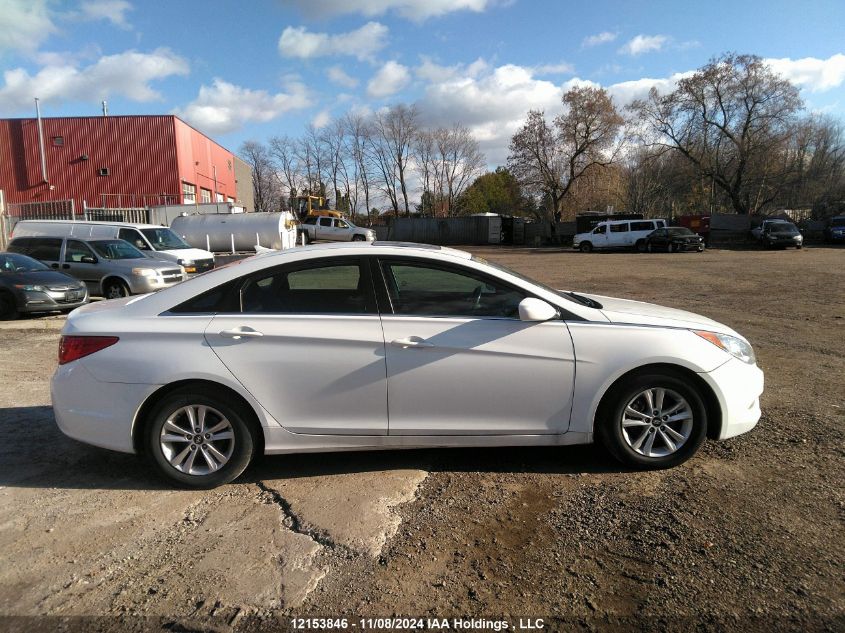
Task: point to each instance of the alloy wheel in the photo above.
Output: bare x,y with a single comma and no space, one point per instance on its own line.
197,439
657,422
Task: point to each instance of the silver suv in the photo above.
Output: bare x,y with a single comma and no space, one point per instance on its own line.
110,268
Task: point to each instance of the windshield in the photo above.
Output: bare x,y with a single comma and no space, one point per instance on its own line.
164,239
14,263
675,231
116,249
783,227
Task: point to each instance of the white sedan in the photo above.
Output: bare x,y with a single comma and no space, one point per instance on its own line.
388,345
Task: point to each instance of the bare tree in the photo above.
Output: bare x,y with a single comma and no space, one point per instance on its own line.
731,120
265,182
394,132
283,150
358,132
549,158
457,162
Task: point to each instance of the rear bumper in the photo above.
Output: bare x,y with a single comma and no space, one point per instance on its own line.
737,386
94,412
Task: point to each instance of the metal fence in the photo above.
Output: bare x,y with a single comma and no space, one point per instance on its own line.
11,214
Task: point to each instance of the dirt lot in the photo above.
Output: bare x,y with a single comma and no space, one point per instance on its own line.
746,536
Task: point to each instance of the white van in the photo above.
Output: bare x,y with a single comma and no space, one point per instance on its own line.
617,234
148,238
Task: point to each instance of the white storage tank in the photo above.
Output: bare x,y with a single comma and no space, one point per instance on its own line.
237,232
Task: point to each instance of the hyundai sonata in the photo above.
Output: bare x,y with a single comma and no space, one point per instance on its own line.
387,345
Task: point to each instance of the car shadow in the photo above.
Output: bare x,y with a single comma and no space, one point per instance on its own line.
35,454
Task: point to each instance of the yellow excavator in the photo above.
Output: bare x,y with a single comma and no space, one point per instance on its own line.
305,206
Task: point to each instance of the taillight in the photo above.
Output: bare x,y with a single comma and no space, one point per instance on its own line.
75,347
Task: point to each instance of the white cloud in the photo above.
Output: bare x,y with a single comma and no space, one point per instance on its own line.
362,43
562,68
224,107
417,10
816,75
491,101
389,79
113,11
605,37
321,119
338,76
644,44
24,24
126,74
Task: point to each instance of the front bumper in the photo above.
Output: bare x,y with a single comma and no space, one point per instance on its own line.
87,411
737,386
50,301
140,285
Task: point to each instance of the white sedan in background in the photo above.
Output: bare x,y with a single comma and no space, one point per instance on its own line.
386,345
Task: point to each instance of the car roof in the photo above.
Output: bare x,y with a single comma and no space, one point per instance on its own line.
136,225
377,246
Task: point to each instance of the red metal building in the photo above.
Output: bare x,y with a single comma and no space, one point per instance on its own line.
114,161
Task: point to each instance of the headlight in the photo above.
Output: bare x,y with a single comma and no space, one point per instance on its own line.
144,272
734,346
30,288
185,262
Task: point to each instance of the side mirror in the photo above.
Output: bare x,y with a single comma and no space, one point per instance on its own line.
531,309
88,259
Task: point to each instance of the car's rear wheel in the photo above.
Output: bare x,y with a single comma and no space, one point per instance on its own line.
640,246
196,439
649,248
652,421
585,247
8,307
115,289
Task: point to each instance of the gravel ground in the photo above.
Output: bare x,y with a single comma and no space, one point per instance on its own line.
748,535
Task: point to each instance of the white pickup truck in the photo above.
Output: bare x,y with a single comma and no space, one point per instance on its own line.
334,229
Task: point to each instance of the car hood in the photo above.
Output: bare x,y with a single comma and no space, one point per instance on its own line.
641,313
41,278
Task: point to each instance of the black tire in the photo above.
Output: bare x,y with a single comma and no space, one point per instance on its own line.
358,238
245,438
585,247
115,289
609,420
649,248
640,246
8,307
670,248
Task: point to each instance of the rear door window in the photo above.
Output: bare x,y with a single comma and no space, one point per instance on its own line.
336,287
642,226
46,248
619,228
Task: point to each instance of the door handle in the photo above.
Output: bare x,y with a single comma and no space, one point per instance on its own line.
241,332
411,341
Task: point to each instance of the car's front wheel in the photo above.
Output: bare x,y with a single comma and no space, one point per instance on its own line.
198,440
585,247
652,421
115,289
8,306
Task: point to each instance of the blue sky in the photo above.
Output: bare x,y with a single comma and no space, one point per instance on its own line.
254,69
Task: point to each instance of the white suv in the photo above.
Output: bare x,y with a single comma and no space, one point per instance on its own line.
617,234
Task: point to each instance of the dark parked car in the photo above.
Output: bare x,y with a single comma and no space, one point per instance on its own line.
674,239
27,285
781,234
835,229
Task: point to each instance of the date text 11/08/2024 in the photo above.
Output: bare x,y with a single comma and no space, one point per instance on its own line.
411,624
